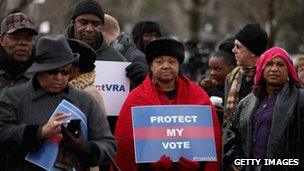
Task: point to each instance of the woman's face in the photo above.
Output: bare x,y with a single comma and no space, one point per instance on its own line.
218,69
165,68
275,72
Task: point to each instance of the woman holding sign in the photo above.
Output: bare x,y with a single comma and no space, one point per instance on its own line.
269,124
165,85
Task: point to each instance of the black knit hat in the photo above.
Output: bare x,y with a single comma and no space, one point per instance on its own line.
165,46
254,38
88,6
87,55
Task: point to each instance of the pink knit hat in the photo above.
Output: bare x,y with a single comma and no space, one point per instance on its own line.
267,56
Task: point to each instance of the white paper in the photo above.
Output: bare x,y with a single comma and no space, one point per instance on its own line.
113,84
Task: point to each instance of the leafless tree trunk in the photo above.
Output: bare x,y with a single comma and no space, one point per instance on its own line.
273,29
12,6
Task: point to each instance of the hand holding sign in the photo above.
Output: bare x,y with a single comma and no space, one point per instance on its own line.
186,164
165,164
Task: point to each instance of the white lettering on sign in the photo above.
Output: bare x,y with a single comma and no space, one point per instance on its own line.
173,119
176,145
174,132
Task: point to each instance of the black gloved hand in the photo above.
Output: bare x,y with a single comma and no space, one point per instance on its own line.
74,144
137,72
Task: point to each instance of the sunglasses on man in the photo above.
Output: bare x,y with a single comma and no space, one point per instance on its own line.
63,72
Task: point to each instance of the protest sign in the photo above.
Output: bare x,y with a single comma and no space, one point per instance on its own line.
113,85
175,131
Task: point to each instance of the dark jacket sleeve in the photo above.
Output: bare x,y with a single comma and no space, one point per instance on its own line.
101,142
232,142
15,136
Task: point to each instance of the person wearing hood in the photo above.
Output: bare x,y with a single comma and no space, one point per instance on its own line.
144,32
17,50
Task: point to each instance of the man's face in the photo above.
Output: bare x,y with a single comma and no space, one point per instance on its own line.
18,45
54,81
244,57
87,27
165,68
148,37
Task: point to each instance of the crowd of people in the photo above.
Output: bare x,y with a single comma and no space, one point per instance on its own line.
261,116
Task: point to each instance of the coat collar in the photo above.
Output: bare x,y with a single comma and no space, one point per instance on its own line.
284,108
251,105
36,91
25,74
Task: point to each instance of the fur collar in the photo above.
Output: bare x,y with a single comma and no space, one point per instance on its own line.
83,80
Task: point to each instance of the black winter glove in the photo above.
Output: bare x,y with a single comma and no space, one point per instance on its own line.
74,144
137,72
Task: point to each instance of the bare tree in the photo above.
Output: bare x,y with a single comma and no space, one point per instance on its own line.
12,6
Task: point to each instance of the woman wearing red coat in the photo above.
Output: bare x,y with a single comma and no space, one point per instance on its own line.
165,85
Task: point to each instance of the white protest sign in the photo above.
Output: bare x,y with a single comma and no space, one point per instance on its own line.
113,85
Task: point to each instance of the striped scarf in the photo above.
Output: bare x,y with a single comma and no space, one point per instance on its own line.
233,96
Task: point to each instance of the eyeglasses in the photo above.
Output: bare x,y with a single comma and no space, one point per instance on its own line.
63,72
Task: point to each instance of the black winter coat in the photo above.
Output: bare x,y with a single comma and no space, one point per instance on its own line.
286,138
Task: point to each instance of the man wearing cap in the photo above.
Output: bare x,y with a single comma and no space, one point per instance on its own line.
26,110
86,22
165,85
250,42
17,49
